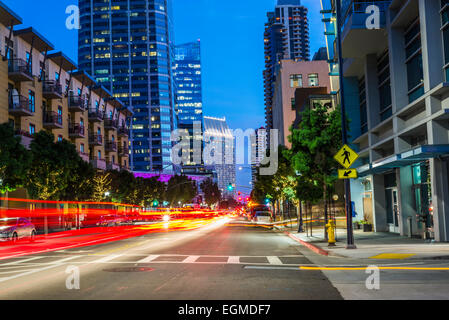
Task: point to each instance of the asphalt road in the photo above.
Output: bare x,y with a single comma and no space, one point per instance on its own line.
215,262
220,261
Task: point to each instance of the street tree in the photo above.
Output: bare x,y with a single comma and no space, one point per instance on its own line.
101,185
314,144
180,189
15,160
212,193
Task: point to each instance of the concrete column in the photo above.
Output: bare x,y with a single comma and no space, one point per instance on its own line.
372,90
432,45
398,69
379,203
440,198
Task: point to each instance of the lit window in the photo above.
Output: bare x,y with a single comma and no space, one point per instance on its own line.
296,80
313,80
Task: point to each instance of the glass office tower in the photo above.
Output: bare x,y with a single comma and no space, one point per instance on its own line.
188,98
126,45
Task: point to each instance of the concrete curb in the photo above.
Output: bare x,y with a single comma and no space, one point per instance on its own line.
309,245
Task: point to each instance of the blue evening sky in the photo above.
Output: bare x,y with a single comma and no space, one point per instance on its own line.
231,34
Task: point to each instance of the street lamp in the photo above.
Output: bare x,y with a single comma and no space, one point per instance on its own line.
107,194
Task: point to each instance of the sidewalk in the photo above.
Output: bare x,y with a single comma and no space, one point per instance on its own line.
372,245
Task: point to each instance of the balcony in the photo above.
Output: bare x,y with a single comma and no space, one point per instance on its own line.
76,131
123,132
84,156
95,115
96,140
112,166
52,120
110,124
111,146
51,90
19,71
123,151
20,106
357,39
77,103
97,163
25,136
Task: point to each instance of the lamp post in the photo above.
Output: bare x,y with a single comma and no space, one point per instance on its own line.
348,204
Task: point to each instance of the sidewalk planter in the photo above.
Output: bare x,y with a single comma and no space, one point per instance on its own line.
367,228
357,226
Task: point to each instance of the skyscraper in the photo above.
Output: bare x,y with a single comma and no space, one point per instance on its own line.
126,46
286,37
188,97
187,75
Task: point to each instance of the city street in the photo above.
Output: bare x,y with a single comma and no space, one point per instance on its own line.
222,260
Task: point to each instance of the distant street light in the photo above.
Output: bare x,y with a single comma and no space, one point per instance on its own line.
107,194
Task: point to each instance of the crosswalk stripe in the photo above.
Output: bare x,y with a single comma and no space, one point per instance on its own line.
274,260
108,258
148,259
190,259
234,259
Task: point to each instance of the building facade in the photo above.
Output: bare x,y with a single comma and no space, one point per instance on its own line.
127,47
258,150
397,97
290,76
42,90
220,153
188,96
286,36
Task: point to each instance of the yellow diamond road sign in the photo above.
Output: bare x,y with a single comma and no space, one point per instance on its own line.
346,156
347,174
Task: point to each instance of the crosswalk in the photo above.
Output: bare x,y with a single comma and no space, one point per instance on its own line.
19,267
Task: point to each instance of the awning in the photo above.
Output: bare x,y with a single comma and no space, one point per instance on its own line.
404,159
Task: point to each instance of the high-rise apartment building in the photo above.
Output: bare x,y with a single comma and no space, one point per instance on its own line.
286,37
126,46
396,97
221,158
188,98
42,90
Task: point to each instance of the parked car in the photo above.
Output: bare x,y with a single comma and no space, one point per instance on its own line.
14,229
263,217
111,220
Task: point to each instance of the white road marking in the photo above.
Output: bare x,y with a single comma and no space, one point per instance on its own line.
190,259
20,261
107,259
148,259
55,264
233,259
274,260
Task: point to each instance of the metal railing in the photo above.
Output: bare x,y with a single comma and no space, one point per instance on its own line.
76,129
51,86
20,103
19,65
361,7
51,117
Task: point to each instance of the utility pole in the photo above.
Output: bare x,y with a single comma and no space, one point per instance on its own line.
348,203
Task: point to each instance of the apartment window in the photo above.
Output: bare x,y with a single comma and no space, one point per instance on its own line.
383,75
313,80
60,115
99,154
32,129
445,30
296,80
113,159
82,147
32,101
293,104
29,60
59,138
363,111
415,77
57,76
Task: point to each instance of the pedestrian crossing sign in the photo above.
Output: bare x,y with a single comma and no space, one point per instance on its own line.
346,156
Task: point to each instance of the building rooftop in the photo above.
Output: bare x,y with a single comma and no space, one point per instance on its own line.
289,2
217,127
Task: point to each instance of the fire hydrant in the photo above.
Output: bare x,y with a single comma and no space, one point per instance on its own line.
331,233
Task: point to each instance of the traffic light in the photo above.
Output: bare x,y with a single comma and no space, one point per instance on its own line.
155,203
230,187
240,193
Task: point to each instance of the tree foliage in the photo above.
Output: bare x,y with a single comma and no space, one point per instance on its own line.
15,160
212,193
180,189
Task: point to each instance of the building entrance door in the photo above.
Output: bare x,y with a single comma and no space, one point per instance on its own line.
392,206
